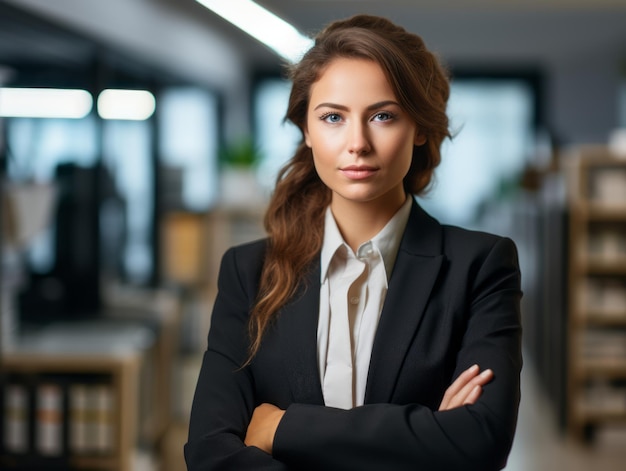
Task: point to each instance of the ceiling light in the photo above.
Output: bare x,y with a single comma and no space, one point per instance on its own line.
262,25
135,105
44,103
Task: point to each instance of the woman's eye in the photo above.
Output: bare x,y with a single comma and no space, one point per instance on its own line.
383,116
331,118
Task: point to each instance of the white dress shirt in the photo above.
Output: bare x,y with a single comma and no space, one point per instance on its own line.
353,289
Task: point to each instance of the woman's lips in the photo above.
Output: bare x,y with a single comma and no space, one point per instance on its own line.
354,172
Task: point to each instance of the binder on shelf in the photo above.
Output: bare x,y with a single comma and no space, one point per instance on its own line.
602,397
608,186
16,419
604,344
91,422
49,419
102,401
78,419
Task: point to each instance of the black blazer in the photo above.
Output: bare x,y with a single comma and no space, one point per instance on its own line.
453,301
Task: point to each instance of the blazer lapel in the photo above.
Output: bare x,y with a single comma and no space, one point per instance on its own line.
415,272
298,337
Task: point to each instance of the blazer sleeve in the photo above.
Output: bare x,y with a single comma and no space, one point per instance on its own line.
412,436
224,397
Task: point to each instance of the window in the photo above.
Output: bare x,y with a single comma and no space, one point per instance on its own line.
277,140
492,124
189,136
127,210
36,148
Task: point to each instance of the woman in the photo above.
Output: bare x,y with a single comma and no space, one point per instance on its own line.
362,334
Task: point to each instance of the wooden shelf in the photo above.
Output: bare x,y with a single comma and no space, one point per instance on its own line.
588,416
605,260
608,367
595,211
604,267
96,462
595,282
597,318
130,358
121,370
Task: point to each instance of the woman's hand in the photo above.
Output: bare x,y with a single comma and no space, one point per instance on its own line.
263,425
466,389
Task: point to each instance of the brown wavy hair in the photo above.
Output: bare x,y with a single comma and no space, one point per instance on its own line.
295,217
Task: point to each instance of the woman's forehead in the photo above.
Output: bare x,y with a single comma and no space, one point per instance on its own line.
348,79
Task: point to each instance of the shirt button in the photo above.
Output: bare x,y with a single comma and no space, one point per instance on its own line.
354,300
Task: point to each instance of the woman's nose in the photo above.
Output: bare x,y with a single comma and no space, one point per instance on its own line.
359,143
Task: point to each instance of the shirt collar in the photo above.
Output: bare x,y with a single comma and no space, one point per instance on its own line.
333,240
389,238
387,241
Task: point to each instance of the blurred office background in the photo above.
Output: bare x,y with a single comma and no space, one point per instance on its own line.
159,149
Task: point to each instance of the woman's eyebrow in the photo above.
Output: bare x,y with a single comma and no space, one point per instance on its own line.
373,106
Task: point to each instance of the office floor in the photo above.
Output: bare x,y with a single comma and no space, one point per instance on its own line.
539,446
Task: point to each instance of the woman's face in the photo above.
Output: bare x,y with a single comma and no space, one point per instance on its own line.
362,140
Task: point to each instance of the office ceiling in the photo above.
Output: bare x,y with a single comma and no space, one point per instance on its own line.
489,31
182,38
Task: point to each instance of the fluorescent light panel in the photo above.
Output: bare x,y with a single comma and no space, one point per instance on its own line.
262,25
135,105
44,103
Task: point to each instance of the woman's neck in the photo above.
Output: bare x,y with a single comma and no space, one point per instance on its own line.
360,222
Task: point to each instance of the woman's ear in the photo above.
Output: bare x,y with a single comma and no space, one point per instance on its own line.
420,139
307,140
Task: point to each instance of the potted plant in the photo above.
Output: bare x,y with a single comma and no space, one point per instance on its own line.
238,179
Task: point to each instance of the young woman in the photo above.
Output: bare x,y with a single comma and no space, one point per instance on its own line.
361,334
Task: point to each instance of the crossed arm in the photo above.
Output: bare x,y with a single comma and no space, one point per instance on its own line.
465,390
473,428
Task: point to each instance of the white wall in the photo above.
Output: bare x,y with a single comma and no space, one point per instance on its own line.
582,96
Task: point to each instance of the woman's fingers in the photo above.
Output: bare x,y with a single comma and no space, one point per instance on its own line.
463,379
466,389
262,427
470,393
473,396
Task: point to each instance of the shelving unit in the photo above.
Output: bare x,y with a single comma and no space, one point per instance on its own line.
597,291
194,244
112,377
120,372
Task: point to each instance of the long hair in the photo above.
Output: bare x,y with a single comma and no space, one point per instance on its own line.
294,219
